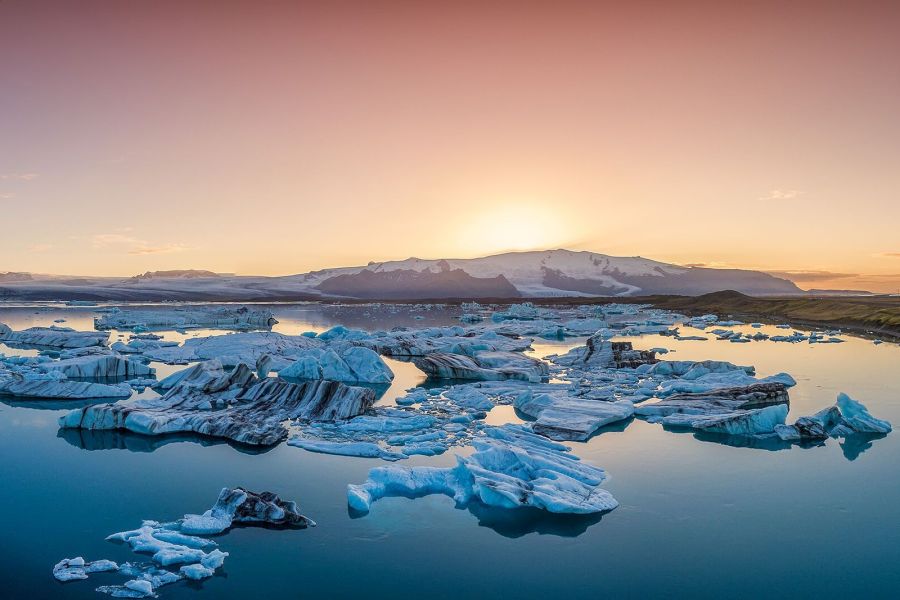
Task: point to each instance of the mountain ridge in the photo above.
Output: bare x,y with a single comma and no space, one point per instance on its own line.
558,273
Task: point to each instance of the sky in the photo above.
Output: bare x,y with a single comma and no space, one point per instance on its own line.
279,137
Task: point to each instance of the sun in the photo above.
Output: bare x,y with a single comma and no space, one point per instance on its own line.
512,227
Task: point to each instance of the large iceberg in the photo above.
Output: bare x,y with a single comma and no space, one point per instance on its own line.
511,467
234,405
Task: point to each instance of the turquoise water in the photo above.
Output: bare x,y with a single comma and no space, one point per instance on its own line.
697,518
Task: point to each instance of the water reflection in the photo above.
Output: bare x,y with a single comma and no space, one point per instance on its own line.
852,446
513,522
49,404
118,439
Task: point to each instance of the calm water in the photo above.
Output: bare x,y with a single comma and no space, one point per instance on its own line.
697,518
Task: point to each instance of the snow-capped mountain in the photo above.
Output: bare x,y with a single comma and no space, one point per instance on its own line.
538,274
548,273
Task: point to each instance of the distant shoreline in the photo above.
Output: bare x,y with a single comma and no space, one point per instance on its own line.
867,316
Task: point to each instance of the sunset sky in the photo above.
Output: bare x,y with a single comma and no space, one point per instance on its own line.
279,137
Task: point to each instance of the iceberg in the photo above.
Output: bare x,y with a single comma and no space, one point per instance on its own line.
846,417
52,337
561,416
47,387
352,364
214,317
98,366
242,506
484,366
233,349
511,467
753,422
70,569
358,449
235,405
600,353
176,544
721,401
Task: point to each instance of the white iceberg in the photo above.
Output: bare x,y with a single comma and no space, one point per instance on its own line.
511,467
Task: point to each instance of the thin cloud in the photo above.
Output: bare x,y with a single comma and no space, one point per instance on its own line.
808,276
7,195
890,254
709,265
18,176
135,246
781,195
40,247
166,249
104,240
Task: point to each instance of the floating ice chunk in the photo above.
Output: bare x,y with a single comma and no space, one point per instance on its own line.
342,333
242,506
522,312
721,401
469,397
196,571
752,422
217,317
600,353
856,417
69,569
50,388
561,416
141,586
94,367
54,337
358,449
396,422
234,349
511,467
172,545
846,418
485,366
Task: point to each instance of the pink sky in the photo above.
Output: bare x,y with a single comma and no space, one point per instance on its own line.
278,137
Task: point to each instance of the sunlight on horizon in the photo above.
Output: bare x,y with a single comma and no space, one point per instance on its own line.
512,227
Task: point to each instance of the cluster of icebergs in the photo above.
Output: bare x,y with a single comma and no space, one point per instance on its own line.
322,399
176,548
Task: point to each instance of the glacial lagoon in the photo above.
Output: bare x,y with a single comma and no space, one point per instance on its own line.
700,515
